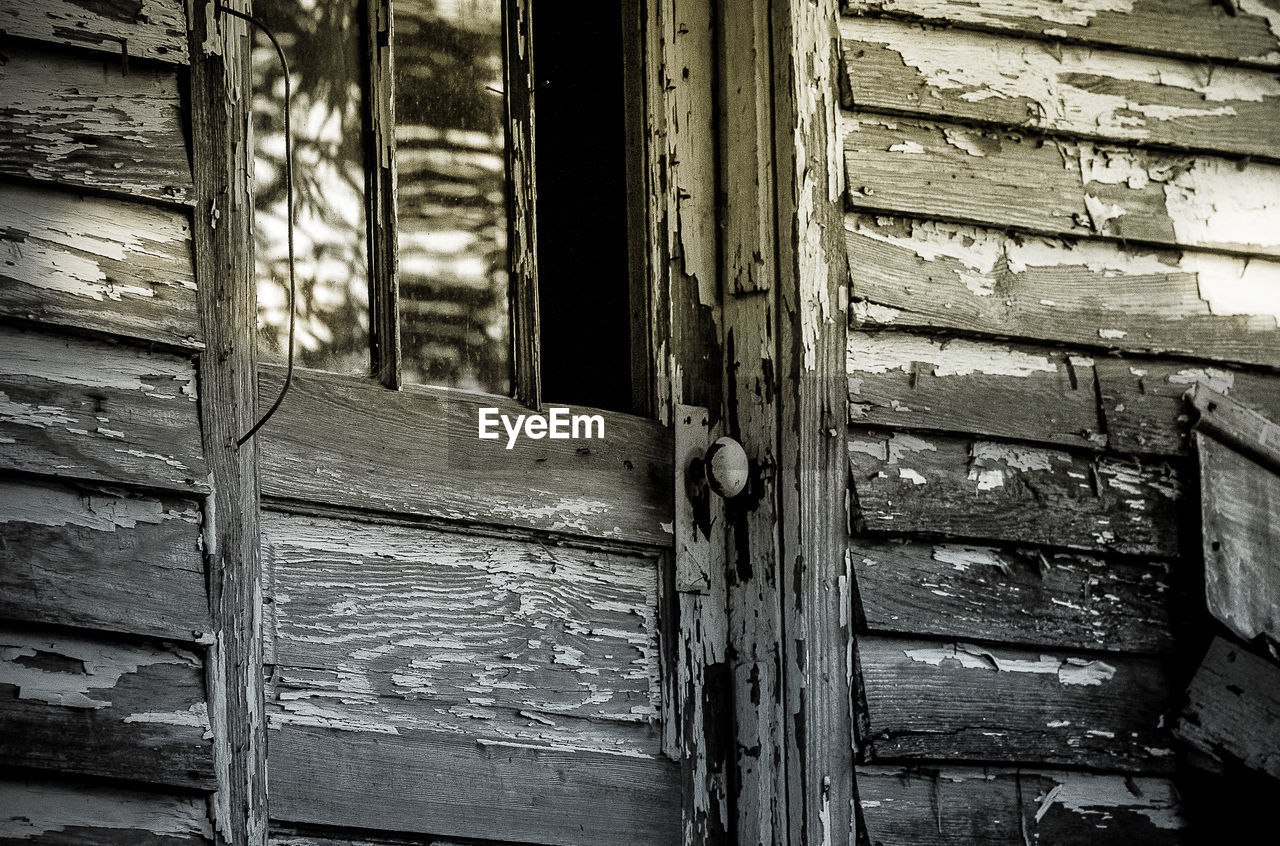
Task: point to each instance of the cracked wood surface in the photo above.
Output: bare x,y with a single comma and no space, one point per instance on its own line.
82,122
146,29
932,700
45,813
1233,708
109,266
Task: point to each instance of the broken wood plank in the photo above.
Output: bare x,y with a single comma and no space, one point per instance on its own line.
1080,188
144,29
345,441
104,707
913,274
1237,425
102,559
1202,29
931,700
86,409
439,781
956,487
1059,89
83,122
1023,595
40,812
99,265
1029,393
1233,708
1240,537
970,806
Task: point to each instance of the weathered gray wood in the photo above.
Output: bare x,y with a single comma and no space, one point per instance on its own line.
930,700
104,707
1024,494
1233,708
1059,89
455,786
102,559
83,122
1002,178
967,806
1196,28
51,813
101,265
1237,425
1143,403
351,442
1240,534
1023,595
1028,393
147,29
912,273
91,410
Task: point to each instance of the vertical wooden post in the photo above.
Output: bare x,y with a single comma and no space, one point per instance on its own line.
223,248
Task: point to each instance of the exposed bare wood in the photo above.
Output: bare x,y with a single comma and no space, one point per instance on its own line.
1023,494
526,342
1002,178
1050,598
912,273
430,780
100,265
83,122
87,409
1233,708
1067,89
1230,421
1235,31
380,152
145,29
957,701
102,559
44,813
104,707
968,806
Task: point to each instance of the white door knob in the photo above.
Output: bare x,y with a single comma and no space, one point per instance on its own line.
727,467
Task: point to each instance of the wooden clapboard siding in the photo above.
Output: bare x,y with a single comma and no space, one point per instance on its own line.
937,700
87,409
97,264
959,806
1023,392
1004,178
1233,708
45,813
985,489
459,786
94,705
1023,595
1235,31
83,122
1059,89
146,29
350,442
102,559
912,273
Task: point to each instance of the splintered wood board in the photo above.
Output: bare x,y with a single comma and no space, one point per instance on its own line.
1233,708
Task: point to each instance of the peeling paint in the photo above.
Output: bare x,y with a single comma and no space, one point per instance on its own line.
1068,671
868,353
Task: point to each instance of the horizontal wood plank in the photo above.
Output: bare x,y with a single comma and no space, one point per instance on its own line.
929,700
1194,28
349,442
86,409
967,806
1059,89
104,707
1233,708
1022,595
956,487
83,122
1028,393
147,29
452,785
102,559
53,813
1003,178
909,273
96,264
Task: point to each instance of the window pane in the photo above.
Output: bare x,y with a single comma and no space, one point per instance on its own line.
323,42
451,205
